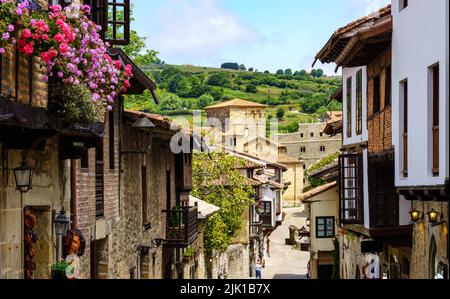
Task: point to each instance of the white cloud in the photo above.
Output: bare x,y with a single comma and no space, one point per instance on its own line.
192,29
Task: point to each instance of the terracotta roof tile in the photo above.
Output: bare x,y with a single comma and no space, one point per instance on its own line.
237,103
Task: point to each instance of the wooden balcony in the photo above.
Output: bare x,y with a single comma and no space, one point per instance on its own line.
181,227
256,230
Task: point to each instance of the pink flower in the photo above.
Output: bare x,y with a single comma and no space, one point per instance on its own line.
45,78
26,33
28,49
95,97
10,28
45,37
55,8
64,48
42,26
118,64
49,55
60,75
6,36
59,38
2,51
128,69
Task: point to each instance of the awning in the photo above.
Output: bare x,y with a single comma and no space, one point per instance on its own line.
205,209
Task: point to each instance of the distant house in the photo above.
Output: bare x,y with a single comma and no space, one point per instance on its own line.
332,116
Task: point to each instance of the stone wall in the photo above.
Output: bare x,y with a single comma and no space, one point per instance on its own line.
423,234
295,141
233,263
48,193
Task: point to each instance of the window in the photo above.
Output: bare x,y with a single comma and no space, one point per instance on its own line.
325,227
312,135
385,209
304,166
435,128
403,4
114,18
404,97
144,195
84,163
387,87
303,149
267,213
302,135
351,188
112,152
376,95
349,107
359,102
321,134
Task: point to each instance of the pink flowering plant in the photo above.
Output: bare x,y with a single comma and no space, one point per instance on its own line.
69,45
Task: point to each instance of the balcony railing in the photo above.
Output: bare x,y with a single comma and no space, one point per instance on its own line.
181,227
256,230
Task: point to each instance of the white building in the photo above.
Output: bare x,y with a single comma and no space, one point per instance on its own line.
420,120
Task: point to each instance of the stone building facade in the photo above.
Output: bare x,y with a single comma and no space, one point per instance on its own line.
310,144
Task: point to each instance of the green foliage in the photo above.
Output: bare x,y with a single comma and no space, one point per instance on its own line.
204,101
251,88
216,181
280,113
230,66
291,128
218,79
242,67
317,166
288,72
170,102
75,104
190,251
216,93
251,69
59,269
280,72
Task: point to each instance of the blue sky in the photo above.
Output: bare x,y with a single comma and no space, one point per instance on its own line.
263,34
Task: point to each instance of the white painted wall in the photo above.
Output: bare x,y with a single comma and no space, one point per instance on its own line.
346,73
420,40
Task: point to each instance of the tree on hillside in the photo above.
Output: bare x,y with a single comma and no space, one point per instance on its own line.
266,72
303,73
242,67
280,72
232,196
218,79
170,102
230,66
250,69
314,73
216,93
204,101
319,73
280,113
288,72
251,88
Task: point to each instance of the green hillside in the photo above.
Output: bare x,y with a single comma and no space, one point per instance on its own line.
292,97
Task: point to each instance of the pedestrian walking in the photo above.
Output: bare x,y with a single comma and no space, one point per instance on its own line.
258,269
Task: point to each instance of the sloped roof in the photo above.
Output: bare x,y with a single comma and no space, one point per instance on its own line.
334,115
285,159
344,40
237,103
334,128
305,197
205,209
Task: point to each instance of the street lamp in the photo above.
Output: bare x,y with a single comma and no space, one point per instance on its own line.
145,123
23,176
433,216
61,223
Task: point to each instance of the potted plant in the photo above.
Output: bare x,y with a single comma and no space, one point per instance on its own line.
59,270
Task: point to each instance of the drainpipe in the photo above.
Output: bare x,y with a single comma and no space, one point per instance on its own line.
74,194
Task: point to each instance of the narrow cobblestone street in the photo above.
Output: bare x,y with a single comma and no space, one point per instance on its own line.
285,262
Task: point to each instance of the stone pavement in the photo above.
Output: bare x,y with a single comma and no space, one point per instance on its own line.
286,262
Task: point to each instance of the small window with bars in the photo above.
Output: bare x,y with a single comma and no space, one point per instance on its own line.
114,18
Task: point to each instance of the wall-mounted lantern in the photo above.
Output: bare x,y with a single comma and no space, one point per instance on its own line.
61,223
23,176
415,215
144,123
433,216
